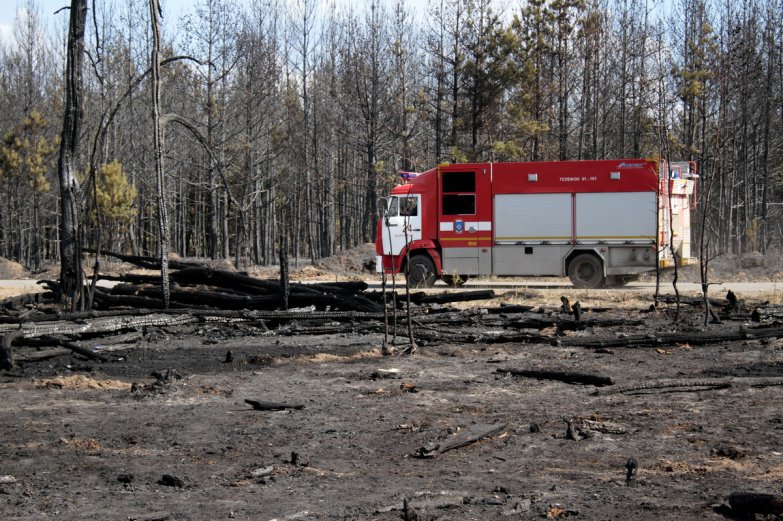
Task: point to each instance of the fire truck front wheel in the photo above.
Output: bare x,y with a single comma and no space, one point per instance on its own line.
421,272
585,271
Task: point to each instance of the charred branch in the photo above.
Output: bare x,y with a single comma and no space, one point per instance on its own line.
57,341
271,406
460,439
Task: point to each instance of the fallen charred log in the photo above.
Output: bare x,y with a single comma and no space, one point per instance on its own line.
244,283
29,299
514,308
562,376
690,338
486,316
234,301
692,301
206,315
754,503
102,325
105,301
541,322
420,298
436,336
79,326
457,296
693,384
767,313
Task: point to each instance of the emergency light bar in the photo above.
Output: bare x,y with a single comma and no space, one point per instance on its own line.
407,176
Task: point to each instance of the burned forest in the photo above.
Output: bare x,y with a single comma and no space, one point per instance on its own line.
440,260
290,119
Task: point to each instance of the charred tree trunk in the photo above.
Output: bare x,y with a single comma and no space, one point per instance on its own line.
70,253
157,144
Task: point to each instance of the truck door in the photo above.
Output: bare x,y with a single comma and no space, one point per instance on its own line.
465,220
401,223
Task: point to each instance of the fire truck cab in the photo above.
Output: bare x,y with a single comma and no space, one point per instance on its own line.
597,222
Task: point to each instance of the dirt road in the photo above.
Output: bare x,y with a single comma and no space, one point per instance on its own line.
17,287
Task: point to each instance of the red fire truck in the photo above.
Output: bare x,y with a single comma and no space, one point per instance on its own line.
597,222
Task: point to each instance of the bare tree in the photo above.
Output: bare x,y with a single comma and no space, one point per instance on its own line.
213,33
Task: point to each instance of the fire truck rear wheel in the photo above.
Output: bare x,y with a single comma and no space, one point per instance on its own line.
421,272
585,271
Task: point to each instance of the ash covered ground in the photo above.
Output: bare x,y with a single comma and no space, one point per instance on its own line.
162,429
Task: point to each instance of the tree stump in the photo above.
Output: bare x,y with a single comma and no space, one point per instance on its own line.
6,352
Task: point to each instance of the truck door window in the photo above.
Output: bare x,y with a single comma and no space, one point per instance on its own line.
459,204
392,210
409,207
459,182
455,199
